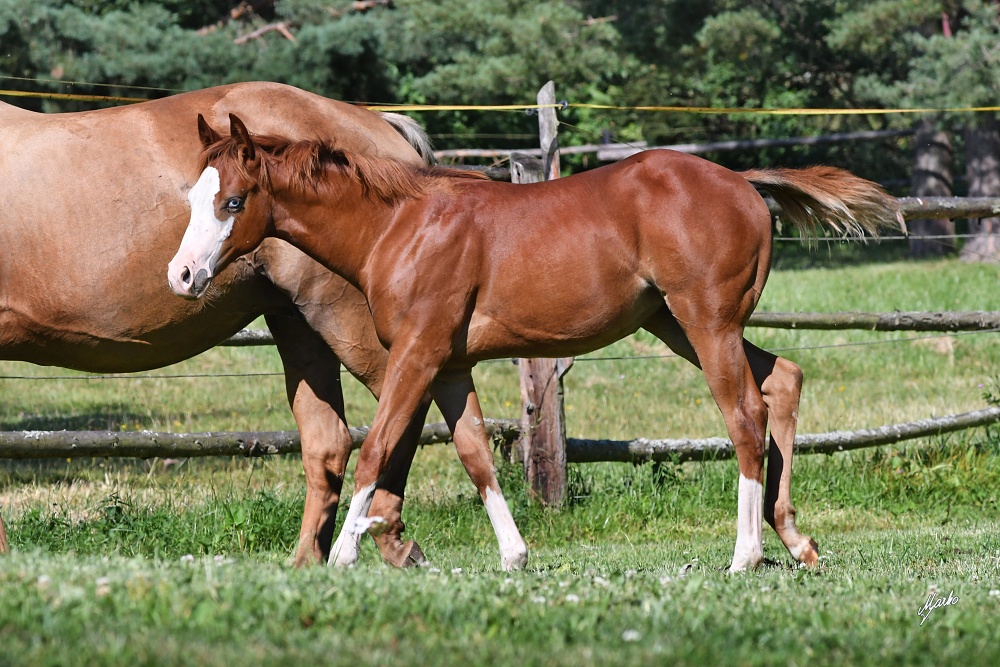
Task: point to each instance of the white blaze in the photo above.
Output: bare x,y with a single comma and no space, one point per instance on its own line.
205,234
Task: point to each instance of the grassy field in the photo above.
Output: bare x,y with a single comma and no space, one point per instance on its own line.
187,563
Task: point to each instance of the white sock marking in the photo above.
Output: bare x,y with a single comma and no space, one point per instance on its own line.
513,550
749,551
345,550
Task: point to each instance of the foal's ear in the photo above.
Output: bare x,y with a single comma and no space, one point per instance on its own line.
242,136
206,133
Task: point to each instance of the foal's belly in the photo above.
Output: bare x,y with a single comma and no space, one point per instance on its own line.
558,327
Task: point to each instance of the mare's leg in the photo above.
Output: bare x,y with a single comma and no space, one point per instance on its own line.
780,382
4,547
409,372
455,394
312,382
717,347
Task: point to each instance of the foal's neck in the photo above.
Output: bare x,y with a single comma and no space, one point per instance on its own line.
338,227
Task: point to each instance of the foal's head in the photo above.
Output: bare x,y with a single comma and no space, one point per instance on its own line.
230,211
234,201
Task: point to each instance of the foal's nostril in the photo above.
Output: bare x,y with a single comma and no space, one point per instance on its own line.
186,276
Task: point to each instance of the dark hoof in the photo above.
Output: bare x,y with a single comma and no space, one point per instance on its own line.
407,555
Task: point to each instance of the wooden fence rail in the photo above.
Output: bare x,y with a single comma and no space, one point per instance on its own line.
146,444
945,321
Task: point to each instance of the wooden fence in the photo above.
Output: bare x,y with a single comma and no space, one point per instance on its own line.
505,434
539,439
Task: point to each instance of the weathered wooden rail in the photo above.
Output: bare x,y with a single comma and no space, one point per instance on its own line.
147,444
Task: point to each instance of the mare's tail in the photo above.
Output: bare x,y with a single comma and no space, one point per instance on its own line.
413,132
817,197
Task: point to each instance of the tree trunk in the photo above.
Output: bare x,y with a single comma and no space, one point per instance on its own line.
982,156
932,177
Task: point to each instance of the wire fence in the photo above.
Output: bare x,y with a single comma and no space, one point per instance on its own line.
667,356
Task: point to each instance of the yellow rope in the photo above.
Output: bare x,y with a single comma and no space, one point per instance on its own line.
528,107
798,111
459,107
71,97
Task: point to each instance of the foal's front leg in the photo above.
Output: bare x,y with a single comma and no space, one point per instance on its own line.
455,394
410,370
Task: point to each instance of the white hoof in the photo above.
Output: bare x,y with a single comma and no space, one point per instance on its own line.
515,559
344,553
746,562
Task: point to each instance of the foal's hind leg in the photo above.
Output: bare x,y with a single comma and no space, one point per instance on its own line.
719,353
780,381
455,394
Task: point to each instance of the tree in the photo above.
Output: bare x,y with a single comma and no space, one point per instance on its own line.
932,177
958,66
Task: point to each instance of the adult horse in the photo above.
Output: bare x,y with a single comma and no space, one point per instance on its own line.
665,241
92,207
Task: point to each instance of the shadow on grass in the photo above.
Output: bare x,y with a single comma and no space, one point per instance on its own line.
834,254
97,418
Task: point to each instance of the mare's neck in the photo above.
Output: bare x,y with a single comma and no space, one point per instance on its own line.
338,231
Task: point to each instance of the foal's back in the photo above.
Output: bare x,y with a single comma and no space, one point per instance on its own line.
589,258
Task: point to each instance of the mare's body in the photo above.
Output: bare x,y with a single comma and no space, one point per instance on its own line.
457,270
91,208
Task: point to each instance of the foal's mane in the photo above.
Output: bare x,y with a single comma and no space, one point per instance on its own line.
304,165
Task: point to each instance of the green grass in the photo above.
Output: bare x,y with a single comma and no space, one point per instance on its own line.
631,572
101,572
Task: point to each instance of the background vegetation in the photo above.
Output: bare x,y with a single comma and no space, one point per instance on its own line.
731,53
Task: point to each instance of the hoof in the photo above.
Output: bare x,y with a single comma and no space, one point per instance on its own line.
807,552
516,560
747,562
738,568
408,554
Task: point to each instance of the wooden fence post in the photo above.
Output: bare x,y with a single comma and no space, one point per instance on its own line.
543,418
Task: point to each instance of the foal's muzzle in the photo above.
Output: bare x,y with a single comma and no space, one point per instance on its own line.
187,284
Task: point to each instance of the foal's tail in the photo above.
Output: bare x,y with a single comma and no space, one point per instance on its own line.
817,197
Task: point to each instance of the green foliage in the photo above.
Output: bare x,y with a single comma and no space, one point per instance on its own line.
960,70
813,53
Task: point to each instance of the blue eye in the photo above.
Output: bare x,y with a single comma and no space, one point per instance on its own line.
234,204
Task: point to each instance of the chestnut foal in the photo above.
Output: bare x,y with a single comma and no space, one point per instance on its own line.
664,241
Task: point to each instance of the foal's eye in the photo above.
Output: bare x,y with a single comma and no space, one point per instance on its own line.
234,204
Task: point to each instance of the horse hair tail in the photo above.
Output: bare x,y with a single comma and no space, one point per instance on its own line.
818,197
414,134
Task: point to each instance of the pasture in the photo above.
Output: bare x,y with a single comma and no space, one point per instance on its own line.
186,562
